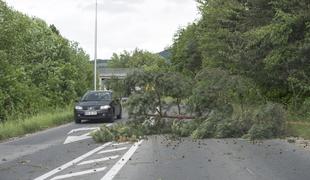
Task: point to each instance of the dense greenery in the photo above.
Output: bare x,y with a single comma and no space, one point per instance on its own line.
266,41
255,61
239,69
39,69
137,59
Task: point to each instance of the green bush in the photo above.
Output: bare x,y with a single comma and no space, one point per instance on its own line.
103,135
205,130
260,131
228,128
269,121
183,129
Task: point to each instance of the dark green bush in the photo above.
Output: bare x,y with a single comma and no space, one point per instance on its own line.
269,121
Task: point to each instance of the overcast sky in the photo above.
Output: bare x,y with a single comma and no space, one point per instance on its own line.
122,24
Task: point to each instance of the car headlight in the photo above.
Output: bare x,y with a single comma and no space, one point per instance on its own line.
78,107
106,107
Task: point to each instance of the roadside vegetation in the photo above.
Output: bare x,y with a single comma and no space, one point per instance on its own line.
40,72
40,121
240,70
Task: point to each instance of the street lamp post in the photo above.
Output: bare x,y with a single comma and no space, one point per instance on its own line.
95,56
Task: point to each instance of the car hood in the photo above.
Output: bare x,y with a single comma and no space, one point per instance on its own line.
94,103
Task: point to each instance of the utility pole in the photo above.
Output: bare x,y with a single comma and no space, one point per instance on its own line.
95,58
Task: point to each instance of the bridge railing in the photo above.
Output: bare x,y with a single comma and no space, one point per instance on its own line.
114,72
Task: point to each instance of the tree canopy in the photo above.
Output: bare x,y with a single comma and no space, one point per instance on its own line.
267,41
38,67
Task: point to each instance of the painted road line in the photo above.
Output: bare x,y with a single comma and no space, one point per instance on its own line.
98,160
71,139
91,171
251,172
112,150
118,166
73,162
83,129
119,144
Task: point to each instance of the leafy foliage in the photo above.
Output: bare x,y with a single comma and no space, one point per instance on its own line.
254,55
39,69
269,122
131,131
266,41
186,55
149,90
138,59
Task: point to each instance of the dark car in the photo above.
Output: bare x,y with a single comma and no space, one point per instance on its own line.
98,105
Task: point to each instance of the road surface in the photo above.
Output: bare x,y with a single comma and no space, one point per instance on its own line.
68,152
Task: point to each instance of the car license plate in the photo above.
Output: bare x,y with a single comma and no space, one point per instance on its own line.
90,113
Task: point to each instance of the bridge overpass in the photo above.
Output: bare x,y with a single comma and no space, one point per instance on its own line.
109,73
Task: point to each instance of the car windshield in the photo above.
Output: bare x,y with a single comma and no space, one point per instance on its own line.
97,96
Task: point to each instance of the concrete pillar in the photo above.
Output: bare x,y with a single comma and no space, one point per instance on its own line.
100,84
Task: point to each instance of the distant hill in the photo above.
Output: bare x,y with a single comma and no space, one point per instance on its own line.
166,54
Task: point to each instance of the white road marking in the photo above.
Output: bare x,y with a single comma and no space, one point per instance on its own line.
118,166
98,160
83,129
71,139
112,150
251,172
91,171
73,162
119,144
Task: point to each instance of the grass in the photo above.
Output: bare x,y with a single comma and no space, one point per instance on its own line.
298,126
299,130
41,121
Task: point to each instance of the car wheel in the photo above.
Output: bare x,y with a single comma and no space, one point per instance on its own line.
111,119
78,121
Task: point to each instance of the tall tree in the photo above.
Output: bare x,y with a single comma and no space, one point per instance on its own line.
186,55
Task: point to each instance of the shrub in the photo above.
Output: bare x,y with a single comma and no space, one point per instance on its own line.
103,135
228,128
269,121
260,131
182,128
206,130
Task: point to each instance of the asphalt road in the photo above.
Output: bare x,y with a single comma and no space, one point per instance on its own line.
67,152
